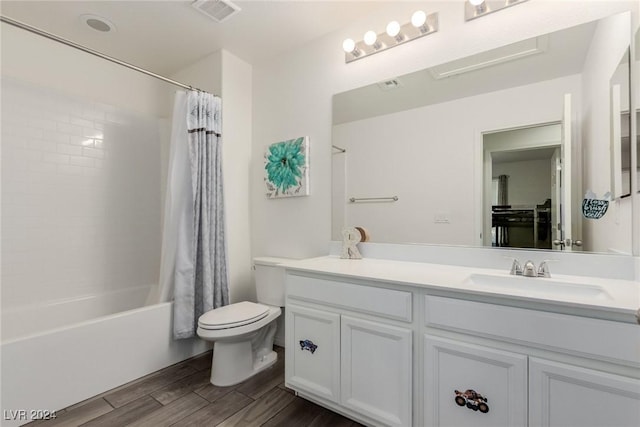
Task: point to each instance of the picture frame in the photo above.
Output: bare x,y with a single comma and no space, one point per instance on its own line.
286,168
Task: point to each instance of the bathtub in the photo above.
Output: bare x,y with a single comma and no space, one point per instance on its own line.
61,353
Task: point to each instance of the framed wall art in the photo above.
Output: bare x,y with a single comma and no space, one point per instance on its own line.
286,168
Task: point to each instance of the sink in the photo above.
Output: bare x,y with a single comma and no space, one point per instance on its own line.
534,286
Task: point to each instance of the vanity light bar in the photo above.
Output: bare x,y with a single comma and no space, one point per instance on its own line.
476,8
421,25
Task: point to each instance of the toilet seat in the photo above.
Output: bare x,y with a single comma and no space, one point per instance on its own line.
233,316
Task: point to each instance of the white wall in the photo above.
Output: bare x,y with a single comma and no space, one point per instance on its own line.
529,181
434,175
236,128
46,63
226,75
609,43
292,97
81,180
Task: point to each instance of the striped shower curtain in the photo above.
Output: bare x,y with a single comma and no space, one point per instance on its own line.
194,256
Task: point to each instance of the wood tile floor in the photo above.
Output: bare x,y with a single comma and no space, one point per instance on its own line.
181,395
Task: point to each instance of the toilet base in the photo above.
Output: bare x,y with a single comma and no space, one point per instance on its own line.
233,363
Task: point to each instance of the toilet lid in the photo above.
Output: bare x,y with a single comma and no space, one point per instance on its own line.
234,315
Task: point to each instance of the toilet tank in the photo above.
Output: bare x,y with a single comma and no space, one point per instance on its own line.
270,280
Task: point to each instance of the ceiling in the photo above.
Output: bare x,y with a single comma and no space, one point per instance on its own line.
165,36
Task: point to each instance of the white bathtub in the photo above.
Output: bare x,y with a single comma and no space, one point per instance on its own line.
55,355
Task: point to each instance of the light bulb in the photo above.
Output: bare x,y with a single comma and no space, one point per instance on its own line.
476,2
348,45
370,38
418,18
393,28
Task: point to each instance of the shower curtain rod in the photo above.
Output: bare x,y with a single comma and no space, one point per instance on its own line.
85,49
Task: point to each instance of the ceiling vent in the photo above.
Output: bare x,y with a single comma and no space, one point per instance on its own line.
389,84
217,10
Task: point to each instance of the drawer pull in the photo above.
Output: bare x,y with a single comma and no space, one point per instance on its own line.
472,400
308,345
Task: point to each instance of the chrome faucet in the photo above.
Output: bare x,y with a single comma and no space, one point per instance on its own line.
543,269
516,269
529,269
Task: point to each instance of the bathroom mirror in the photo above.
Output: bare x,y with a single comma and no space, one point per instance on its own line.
414,169
636,87
621,128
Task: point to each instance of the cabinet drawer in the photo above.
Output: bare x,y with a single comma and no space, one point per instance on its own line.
366,299
582,336
453,371
312,360
589,398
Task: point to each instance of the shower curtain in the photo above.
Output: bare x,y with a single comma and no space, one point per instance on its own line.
194,250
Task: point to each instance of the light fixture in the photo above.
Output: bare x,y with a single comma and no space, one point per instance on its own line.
480,6
420,25
349,46
371,39
393,30
418,19
476,8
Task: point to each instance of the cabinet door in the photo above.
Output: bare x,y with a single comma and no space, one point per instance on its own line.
376,370
471,385
566,395
312,360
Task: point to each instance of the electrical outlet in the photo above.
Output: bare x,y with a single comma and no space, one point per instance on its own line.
441,218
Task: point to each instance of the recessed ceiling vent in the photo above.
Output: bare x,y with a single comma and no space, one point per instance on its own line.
217,10
389,84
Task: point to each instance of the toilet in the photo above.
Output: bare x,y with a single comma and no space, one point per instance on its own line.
243,333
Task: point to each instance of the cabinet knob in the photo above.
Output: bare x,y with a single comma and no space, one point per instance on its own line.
308,345
472,400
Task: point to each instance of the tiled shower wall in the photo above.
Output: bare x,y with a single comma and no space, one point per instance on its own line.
81,196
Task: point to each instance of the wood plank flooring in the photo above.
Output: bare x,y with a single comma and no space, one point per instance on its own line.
181,395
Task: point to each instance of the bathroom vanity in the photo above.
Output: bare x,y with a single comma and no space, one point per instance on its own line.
394,343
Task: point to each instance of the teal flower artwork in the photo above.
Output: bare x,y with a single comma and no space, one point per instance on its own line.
286,166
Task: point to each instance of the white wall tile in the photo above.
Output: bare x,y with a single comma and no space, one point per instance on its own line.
80,215
70,129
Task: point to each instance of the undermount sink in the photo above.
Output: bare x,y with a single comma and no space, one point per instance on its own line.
538,286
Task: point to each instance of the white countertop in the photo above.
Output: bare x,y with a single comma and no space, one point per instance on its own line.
614,299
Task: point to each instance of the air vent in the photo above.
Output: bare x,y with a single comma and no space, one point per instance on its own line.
217,10
389,84
492,57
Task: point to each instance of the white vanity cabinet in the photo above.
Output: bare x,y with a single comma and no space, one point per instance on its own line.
349,350
376,370
472,385
553,393
388,352
566,395
314,339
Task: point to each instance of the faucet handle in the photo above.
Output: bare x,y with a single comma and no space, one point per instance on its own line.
516,269
543,268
